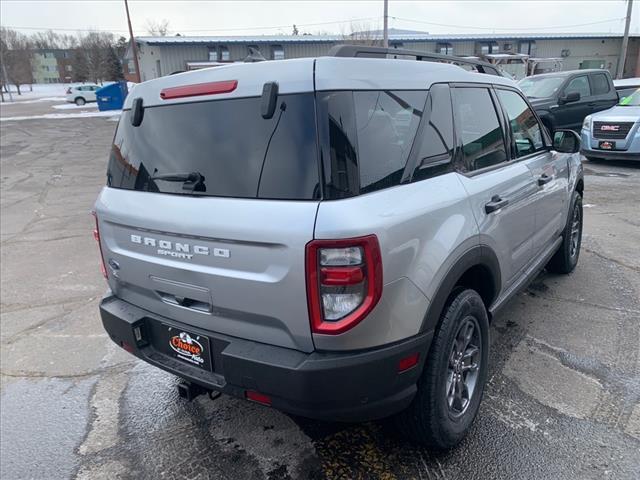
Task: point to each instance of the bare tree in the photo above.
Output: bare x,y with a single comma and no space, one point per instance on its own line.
93,56
16,56
363,34
51,39
158,29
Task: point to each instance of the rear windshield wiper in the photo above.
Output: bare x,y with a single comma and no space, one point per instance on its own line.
193,181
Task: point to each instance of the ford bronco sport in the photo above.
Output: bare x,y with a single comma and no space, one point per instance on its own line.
330,236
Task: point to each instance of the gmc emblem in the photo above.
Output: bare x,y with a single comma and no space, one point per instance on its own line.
610,128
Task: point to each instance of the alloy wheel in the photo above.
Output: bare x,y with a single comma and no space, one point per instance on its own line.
464,366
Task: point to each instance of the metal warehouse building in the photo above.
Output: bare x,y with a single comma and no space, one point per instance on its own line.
160,56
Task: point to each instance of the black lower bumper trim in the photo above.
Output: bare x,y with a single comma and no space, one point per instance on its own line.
611,154
354,386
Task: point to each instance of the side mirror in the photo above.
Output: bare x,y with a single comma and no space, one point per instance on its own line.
566,141
570,97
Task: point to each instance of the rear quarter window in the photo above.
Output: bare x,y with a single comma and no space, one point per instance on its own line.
366,138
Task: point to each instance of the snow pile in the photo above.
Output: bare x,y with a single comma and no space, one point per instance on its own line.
36,100
73,106
58,116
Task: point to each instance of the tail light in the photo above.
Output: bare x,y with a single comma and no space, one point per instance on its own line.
344,282
96,235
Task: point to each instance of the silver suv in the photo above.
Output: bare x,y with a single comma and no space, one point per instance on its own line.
331,236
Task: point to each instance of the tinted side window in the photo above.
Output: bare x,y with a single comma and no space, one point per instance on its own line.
599,84
386,123
579,84
435,141
524,125
478,128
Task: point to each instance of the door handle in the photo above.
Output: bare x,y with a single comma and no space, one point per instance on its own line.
544,179
591,104
496,203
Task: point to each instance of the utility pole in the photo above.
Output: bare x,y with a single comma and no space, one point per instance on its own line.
134,47
385,38
625,42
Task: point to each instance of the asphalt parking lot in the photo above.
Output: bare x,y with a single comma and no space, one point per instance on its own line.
562,401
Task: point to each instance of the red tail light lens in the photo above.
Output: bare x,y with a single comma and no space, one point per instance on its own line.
210,88
344,282
96,235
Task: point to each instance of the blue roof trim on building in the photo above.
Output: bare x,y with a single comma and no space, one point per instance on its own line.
197,40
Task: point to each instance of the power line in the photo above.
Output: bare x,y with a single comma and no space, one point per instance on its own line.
510,28
315,24
335,22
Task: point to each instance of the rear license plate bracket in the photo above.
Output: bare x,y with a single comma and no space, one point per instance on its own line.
183,345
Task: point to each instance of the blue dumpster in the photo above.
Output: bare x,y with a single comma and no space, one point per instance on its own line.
111,97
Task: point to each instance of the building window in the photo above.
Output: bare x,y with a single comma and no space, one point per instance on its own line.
158,69
213,54
277,52
528,47
131,66
68,68
444,48
224,54
486,48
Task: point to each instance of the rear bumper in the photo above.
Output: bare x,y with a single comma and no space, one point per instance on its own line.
355,386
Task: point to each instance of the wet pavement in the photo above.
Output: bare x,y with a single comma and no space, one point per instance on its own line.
562,402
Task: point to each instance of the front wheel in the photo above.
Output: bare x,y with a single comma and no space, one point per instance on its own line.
455,371
80,101
566,258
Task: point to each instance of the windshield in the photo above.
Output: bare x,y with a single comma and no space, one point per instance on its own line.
540,87
632,100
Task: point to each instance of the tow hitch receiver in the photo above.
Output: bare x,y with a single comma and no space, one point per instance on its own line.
189,391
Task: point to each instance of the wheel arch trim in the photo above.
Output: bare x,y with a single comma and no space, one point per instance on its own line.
478,256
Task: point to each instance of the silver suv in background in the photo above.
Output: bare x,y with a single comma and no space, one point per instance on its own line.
331,236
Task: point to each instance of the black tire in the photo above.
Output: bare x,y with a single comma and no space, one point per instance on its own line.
80,101
566,258
430,419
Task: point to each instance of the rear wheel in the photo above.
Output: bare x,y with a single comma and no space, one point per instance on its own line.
80,101
566,258
451,385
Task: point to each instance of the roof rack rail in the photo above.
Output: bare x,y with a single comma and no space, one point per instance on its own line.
382,52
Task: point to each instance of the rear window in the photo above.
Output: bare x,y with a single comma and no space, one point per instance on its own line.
232,149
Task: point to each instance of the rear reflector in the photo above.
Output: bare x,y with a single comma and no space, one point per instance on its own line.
408,362
96,236
258,397
210,88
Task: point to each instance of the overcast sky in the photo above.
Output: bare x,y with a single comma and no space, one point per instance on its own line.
336,16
